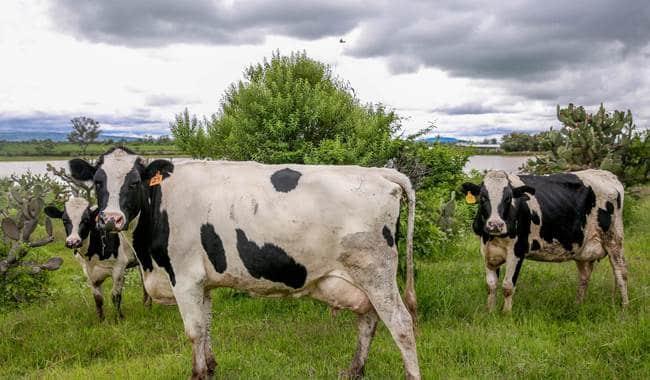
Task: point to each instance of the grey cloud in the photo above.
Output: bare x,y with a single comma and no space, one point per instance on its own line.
163,22
468,109
161,100
487,39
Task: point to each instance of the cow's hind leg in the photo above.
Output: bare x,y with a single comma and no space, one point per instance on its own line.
392,311
614,247
190,298
584,273
146,298
339,292
367,324
373,266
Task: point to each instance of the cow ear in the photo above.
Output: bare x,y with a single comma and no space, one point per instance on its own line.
164,167
53,212
81,170
469,187
521,190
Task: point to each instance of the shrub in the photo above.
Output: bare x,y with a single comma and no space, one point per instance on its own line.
291,109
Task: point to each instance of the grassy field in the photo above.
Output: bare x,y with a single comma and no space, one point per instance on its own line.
547,335
26,151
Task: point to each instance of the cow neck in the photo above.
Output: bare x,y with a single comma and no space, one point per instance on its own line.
95,246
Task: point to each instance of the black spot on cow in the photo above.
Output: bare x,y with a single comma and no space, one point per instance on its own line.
565,202
388,236
535,245
618,200
534,217
270,262
213,247
151,236
523,231
285,180
605,216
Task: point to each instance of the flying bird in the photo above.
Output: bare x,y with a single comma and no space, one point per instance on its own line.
341,41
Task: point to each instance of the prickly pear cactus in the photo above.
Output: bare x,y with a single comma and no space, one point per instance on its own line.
22,216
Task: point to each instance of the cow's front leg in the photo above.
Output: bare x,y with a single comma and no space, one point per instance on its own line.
96,287
116,292
210,361
190,298
513,265
491,278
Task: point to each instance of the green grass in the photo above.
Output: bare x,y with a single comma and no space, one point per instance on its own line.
547,335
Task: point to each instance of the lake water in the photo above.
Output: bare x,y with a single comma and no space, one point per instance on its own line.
39,167
510,164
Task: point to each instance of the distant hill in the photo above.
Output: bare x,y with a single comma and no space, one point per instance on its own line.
54,136
441,139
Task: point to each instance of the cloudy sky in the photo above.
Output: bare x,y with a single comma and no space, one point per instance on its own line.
474,68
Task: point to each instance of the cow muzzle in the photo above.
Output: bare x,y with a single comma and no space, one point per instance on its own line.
495,227
73,242
111,221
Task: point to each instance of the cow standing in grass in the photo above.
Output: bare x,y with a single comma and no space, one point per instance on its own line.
275,230
571,216
106,255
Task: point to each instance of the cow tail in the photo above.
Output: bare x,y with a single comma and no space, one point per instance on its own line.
410,298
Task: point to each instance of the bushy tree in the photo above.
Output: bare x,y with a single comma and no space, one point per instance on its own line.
85,131
290,109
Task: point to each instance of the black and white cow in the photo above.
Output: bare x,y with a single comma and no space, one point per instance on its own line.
571,216
106,255
275,230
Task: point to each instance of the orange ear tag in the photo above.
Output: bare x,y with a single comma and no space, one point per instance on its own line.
470,198
156,180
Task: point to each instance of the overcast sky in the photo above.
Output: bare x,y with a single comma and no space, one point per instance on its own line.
474,68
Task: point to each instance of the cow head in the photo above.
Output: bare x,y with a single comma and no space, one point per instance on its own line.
121,182
78,219
498,202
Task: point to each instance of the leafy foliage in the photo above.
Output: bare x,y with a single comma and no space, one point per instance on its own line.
602,140
291,109
85,131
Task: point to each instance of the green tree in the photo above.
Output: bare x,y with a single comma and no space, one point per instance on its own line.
520,142
84,132
291,109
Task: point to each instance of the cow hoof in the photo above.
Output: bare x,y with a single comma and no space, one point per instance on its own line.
200,376
353,373
212,366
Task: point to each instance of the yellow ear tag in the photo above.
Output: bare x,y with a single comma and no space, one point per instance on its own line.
469,198
156,180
